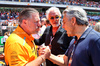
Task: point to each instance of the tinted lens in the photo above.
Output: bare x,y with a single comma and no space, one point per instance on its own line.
52,17
57,17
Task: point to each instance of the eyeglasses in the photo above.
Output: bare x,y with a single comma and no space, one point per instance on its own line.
54,17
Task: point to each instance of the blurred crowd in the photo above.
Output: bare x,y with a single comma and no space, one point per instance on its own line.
9,18
8,15
64,2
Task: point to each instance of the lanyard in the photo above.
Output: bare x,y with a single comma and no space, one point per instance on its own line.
72,52
51,39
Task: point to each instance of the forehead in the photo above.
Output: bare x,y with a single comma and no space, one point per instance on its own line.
53,13
35,16
65,16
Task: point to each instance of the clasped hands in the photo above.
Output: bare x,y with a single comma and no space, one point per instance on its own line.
45,52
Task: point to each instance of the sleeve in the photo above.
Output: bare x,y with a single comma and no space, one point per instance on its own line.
41,40
95,53
16,55
70,48
66,53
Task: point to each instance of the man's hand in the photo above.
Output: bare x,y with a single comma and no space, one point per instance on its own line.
44,52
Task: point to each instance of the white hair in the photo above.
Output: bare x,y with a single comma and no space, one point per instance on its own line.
54,9
78,13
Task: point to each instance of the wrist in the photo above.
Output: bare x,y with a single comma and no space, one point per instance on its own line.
43,58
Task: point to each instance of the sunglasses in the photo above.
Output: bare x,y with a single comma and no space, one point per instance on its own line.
54,17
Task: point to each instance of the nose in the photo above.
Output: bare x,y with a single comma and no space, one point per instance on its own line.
55,19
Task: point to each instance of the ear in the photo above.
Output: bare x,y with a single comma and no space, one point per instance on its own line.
24,21
73,20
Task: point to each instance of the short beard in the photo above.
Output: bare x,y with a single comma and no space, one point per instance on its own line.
55,25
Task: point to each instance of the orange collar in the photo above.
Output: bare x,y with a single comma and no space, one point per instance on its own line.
20,32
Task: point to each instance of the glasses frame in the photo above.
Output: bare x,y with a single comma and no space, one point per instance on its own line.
56,17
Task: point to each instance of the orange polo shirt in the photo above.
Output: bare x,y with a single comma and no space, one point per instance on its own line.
19,48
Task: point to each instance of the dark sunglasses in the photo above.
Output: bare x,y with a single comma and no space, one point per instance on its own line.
54,17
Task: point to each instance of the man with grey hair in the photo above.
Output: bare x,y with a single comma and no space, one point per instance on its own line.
84,49
54,36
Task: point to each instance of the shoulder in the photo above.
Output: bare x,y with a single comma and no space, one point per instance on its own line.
94,35
92,39
61,29
48,29
14,38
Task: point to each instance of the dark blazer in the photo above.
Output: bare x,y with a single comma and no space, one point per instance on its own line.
60,42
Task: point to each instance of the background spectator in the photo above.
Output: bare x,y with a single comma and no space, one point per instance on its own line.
97,27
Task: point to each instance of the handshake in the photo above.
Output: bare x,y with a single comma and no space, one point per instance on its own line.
44,52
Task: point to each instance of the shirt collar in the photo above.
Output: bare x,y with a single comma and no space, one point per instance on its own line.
20,32
87,31
59,29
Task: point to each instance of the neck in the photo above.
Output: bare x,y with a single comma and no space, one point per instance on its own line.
54,30
80,30
24,29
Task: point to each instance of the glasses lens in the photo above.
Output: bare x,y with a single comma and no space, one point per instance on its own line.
52,17
57,17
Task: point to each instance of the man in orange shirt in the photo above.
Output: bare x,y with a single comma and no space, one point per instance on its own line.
20,49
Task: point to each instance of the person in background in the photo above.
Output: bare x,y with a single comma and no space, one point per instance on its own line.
84,49
43,26
97,27
5,38
20,49
54,36
43,21
8,33
47,23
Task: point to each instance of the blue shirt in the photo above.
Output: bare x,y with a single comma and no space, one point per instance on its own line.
87,49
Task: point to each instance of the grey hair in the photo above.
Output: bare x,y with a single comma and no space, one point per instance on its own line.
97,27
78,13
54,9
26,14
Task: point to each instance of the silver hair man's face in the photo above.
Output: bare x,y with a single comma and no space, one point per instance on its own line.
54,18
67,25
51,9
53,14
